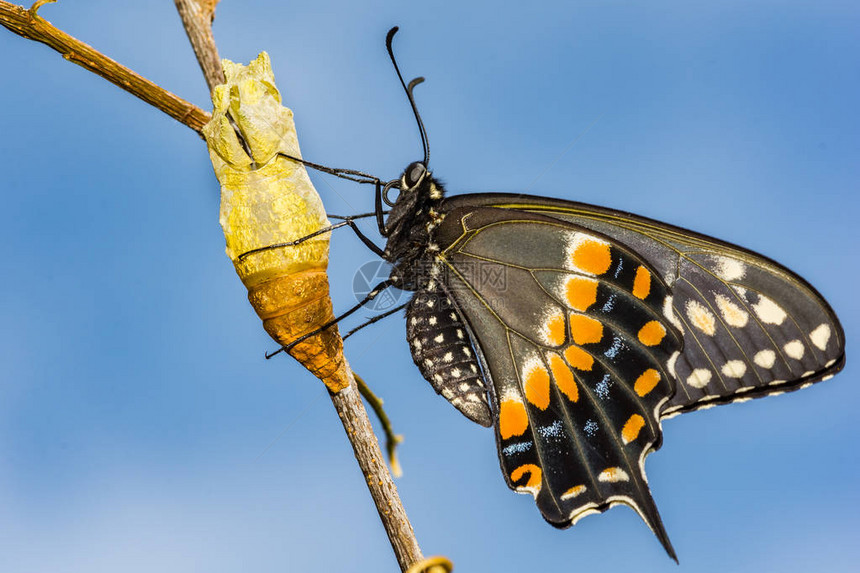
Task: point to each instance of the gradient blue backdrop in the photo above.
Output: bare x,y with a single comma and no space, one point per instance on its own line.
140,427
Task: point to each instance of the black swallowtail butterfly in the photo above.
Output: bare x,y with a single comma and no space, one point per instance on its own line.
575,330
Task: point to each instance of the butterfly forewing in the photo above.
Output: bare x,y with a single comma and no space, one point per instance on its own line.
750,326
570,327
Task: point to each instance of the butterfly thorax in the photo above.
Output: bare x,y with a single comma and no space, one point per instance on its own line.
410,224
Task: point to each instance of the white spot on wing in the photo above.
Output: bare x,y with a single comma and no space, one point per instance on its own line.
670,364
820,336
765,358
700,317
734,369
699,378
768,311
794,349
729,269
669,313
732,313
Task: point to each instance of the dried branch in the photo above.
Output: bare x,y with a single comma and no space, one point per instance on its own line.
30,25
370,458
197,17
391,439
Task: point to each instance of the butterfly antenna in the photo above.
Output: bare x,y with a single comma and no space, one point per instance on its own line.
408,89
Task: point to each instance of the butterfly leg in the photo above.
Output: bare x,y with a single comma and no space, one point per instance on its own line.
298,241
345,221
376,291
380,220
376,318
364,238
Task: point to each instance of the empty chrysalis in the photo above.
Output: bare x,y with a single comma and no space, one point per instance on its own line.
267,199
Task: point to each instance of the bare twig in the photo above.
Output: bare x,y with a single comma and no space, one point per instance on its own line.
29,24
197,17
370,458
391,439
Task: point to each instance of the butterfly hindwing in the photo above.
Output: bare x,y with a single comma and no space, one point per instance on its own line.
750,326
570,329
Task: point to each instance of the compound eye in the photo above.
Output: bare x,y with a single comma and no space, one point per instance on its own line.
414,173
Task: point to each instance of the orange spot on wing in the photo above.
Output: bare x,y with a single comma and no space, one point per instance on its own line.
652,333
578,358
585,329
556,333
537,386
534,472
646,382
592,257
563,377
632,427
613,475
581,292
642,283
573,492
513,420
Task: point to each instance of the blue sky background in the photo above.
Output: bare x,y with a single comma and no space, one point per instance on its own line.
140,427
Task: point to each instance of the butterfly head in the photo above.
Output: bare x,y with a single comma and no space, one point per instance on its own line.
418,194
418,181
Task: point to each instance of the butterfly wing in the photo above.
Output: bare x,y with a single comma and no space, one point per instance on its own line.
569,327
750,326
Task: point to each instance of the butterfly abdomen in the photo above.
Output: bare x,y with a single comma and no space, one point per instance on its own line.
440,347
